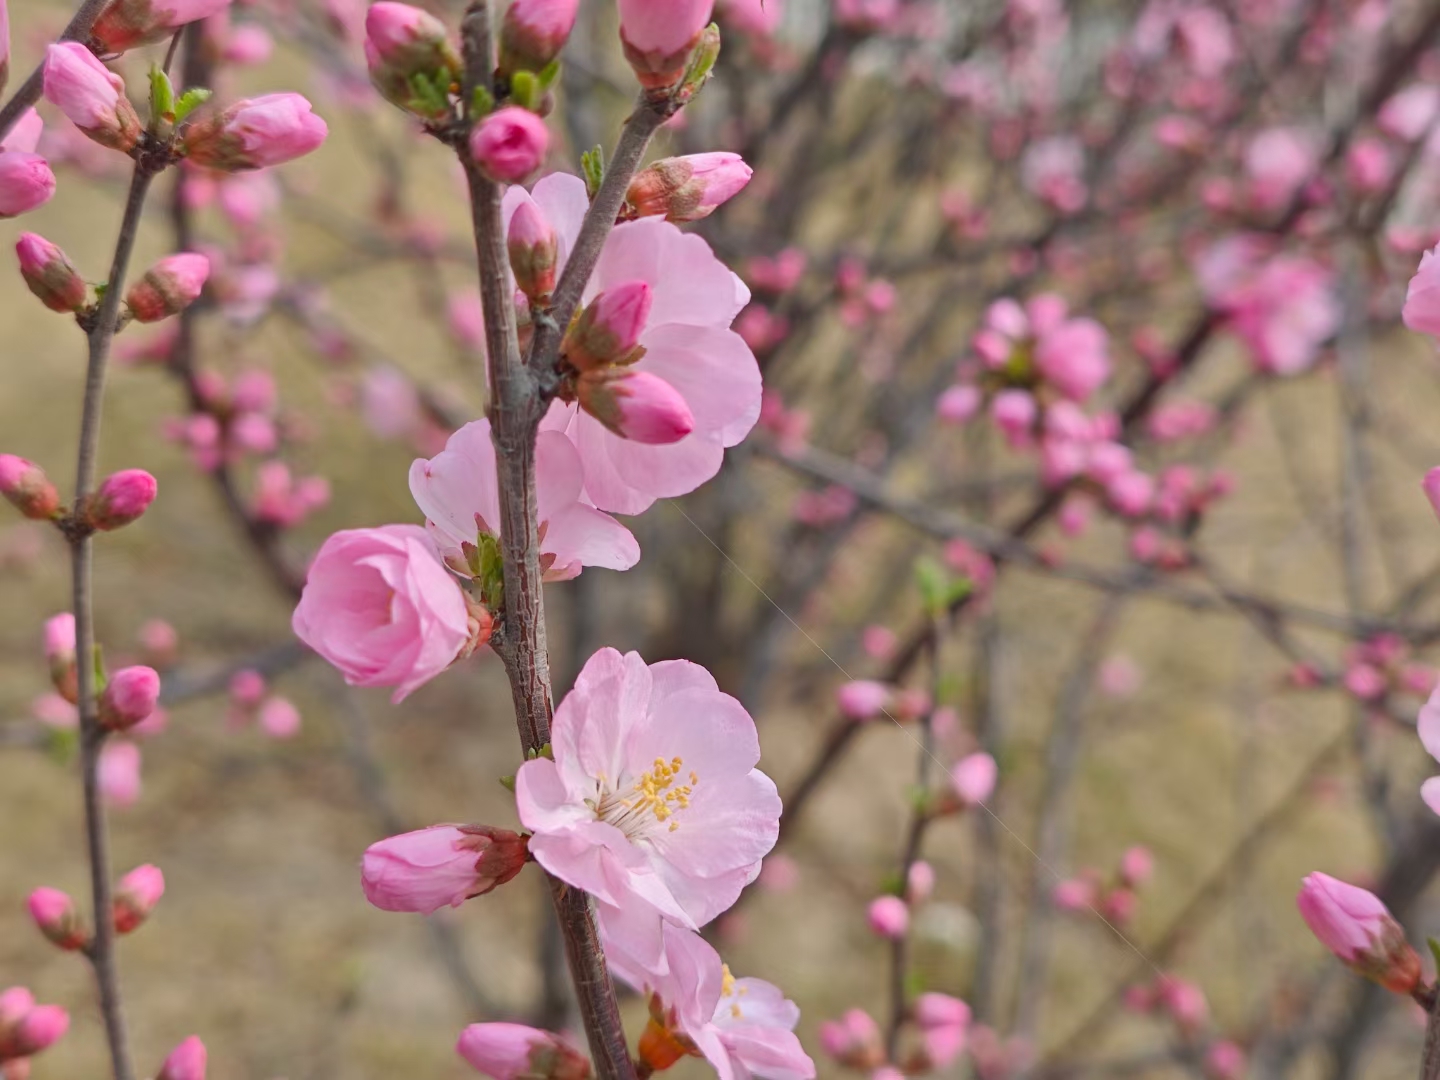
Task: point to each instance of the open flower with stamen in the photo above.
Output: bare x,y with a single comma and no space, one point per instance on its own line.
458,491
652,803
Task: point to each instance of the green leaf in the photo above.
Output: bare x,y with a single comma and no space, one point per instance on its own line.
939,588
702,63
508,783
1434,951
892,884
549,73
525,90
162,96
482,103
100,678
488,565
62,745
191,100
592,166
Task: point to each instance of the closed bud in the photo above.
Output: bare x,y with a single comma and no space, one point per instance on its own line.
972,780
39,1029
534,252
186,1062
27,488
609,327
58,919
687,188
60,654
91,96
136,895
510,144
517,1052
123,497
889,917
168,287
426,870
636,405
26,182
255,133
128,24
1355,926
658,36
534,32
49,275
405,46
129,697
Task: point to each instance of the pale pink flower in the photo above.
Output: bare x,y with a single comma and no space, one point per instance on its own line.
279,718
389,403
688,343
862,699
255,133
1278,162
1053,169
1185,1002
510,144
888,916
1074,894
1136,866
458,491
444,865
516,1052
1355,926
1409,114
878,641
973,779
744,1027
1422,297
119,773
919,882
652,802
54,711
379,605
90,95
944,1022
779,873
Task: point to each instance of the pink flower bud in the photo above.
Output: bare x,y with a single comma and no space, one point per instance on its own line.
279,718
136,895
26,182
91,96
854,1040
687,188
1355,926
888,916
27,488
658,36
609,327
1136,866
443,865
129,697
636,405
247,687
862,699
160,641
168,287
14,1004
403,43
49,275
944,1022
123,497
60,653
1224,1061
186,1062
534,252
919,882
57,918
973,779
39,1029
510,144
1431,484
255,133
126,24
119,773
514,1051
534,32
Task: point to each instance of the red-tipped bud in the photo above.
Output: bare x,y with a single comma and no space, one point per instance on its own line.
608,330
58,919
128,24
534,252
129,697
687,188
168,287
510,144
426,870
659,35
60,653
28,488
636,405
411,60
122,498
1355,926
517,1052
49,274
534,32
186,1062
136,895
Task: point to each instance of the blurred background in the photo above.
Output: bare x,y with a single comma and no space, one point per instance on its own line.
1223,668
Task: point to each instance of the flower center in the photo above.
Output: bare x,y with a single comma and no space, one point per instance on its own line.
653,798
728,989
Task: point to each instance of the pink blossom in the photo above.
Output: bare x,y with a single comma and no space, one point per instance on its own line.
129,697
973,779
1014,413
56,916
958,404
444,865
24,136
1136,866
379,605
186,1062
1409,114
1427,725
516,1052
1074,894
1224,1061
25,182
919,882
1053,169
510,144
119,773
888,916
136,896
458,491
255,133
1355,926
1369,165
652,802
1119,676
49,274
168,287
879,641
687,188
1185,1002
54,711
853,1040
389,403
29,1028
658,36
279,718
90,95
778,873
759,18
867,16
944,1022
127,24
27,488
1365,682
862,699
635,405
534,32
687,343
1422,297
1278,162
122,498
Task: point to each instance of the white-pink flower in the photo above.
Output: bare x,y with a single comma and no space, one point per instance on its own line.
458,491
687,341
652,803
744,1027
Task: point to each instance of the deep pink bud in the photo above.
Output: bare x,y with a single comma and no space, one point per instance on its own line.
534,32
510,144
127,24
123,497
534,252
57,918
27,488
687,188
255,133
888,916
168,287
425,870
658,36
636,405
609,328
39,1029
25,182
517,1052
1355,926
186,1062
49,274
136,895
91,95
129,697
973,779
404,44
863,699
